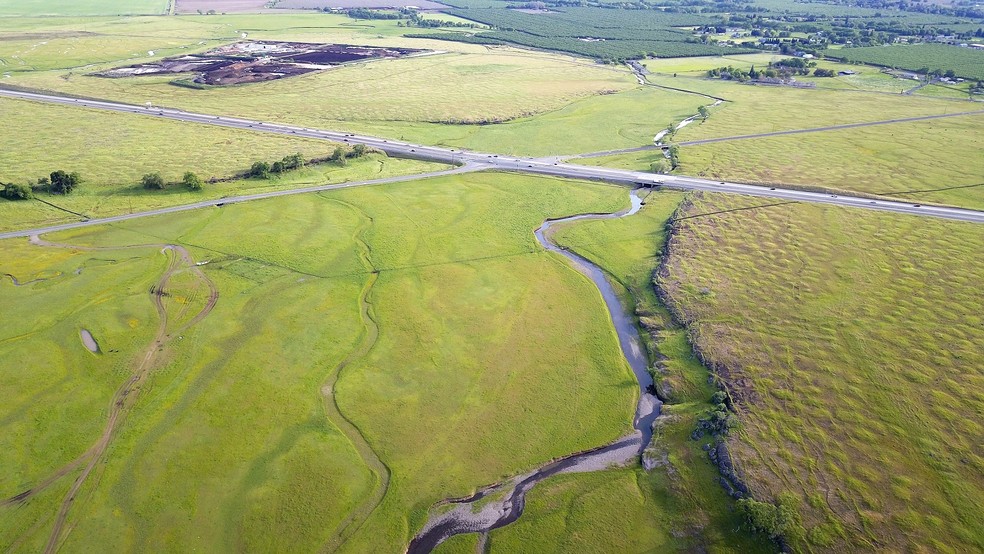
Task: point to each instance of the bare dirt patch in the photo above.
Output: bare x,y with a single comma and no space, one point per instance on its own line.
257,61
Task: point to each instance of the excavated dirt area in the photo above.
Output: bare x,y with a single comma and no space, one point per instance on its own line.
257,61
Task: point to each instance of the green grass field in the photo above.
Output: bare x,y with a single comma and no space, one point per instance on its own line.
500,388
858,382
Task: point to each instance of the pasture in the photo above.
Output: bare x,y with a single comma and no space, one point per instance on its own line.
500,388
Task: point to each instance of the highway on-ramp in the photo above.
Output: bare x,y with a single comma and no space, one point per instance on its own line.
469,161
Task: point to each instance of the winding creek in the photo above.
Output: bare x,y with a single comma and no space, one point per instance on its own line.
501,504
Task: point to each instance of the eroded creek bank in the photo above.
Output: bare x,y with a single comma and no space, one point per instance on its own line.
499,505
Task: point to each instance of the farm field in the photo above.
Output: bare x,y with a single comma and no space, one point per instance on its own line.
858,382
502,402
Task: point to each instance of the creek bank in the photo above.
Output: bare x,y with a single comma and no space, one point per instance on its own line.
499,505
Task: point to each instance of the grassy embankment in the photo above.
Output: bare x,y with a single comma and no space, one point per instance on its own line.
938,157
859,378
229,435
677,506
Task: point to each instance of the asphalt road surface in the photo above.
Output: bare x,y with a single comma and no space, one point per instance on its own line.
472,161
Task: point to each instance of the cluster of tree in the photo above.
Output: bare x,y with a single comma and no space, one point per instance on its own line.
339,156
780,69
821,72
263,170
716,421
154,181
778,521
58,182
16,191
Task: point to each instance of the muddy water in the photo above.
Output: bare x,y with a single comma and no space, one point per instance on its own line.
89,341
501,504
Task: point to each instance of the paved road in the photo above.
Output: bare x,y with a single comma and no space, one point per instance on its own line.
475,161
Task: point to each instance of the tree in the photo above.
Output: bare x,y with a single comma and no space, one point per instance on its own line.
338,156
64,183
260,169
660,166
702,110
765,517
294,161
359,150
192,181
153,181
674,152
12,191
278,167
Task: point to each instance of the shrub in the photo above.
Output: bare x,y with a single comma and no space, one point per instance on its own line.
771,519
192,181
64,183
13,191
153,181
260,169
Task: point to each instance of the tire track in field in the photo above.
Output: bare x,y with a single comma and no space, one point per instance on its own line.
370,333
126,395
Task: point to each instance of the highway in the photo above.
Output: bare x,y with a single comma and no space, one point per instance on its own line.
472,161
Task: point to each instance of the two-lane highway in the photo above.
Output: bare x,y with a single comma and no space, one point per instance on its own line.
479,160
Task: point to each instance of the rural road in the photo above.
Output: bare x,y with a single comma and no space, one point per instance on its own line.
472,161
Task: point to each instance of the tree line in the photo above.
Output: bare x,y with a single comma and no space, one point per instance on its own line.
57,182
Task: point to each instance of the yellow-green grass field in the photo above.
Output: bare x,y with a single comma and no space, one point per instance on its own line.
112,151
81,7
678,506
625,119
540,95
753,109
928,161
852,345
229,435
485,86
